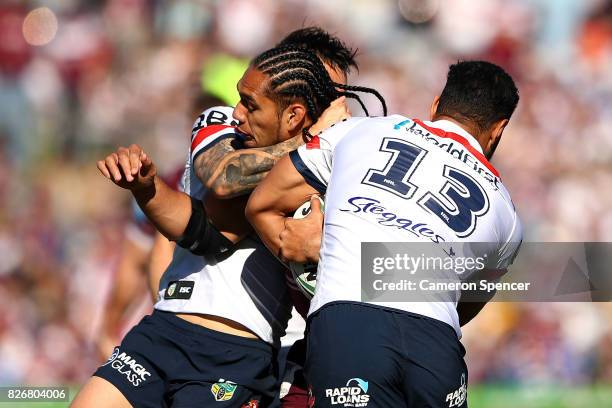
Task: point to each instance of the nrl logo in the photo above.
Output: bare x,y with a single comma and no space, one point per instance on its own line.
223,390
171,289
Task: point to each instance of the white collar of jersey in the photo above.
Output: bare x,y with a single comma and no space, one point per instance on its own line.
449,126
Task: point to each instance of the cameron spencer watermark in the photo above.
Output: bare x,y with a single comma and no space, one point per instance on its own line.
432,286
468,271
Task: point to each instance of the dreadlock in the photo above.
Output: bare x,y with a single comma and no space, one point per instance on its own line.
296,72
366,90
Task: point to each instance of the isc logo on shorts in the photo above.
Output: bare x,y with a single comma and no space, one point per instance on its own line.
354,394
134,372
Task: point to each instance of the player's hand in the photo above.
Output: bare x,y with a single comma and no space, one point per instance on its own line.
129,167
301,239
336,112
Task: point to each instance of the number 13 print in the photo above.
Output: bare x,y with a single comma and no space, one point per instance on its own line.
458,204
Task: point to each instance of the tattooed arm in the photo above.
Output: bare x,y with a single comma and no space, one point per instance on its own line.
229,172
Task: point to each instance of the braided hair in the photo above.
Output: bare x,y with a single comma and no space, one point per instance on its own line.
296,72
329,48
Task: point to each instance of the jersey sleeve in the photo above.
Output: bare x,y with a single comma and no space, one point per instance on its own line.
313,160
511,247
508,250
185,185
212,126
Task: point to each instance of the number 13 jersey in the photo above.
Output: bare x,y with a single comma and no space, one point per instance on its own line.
394,179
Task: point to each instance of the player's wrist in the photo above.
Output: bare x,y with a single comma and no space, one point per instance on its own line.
307,133
295,142
143,192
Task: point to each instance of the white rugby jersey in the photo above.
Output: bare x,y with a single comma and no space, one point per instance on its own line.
248,286
393,179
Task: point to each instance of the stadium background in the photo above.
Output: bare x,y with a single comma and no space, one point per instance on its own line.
82,77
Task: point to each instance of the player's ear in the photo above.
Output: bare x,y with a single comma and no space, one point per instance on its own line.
295,117
497,129
434,107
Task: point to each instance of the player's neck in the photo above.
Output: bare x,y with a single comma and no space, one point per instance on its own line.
481,138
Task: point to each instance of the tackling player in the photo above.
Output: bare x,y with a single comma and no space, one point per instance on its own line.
397,179
144,257
231,305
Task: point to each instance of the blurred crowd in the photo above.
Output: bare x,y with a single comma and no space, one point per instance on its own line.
88,76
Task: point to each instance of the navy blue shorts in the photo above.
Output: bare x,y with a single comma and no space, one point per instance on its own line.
167,361
362,355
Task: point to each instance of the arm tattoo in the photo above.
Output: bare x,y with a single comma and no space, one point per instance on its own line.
231,173
205,165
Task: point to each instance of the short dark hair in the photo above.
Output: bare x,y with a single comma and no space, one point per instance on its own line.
327,47
478,92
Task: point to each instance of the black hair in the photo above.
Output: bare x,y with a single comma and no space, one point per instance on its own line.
296,72
479,92
329,48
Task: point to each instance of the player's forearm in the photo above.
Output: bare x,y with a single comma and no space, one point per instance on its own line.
239,171
268,225
241,174
161,255
273,200
126,286
265,213
169,210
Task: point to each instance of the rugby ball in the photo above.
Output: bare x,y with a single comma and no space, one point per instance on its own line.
305,274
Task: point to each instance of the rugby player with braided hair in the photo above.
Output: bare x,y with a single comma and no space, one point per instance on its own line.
223,300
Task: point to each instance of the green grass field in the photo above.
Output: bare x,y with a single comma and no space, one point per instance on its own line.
478,397
539,397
